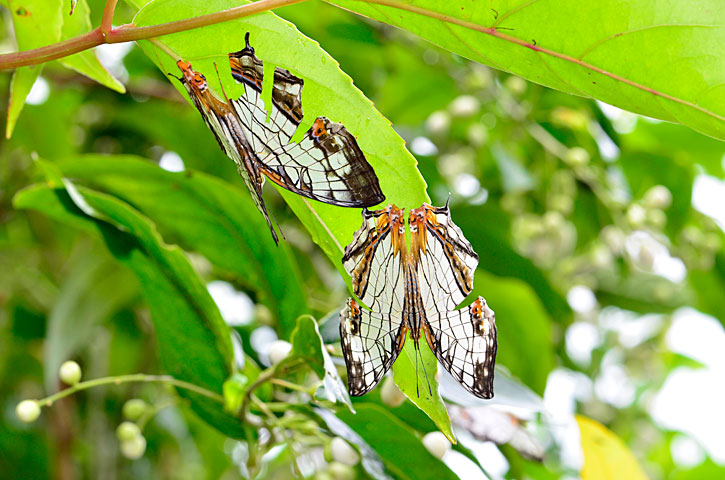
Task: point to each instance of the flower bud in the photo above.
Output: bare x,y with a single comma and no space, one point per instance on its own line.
515,84
28,411
658,196
134,408
636,215
340,471
134,448
576,157
438,123
436,443
342,452
390,394
127,431
70,372
465,106
278,351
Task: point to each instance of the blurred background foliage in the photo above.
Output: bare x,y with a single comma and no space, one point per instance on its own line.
596,250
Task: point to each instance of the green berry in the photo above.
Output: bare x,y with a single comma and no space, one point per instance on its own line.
70,372
133,449
127,431
28,411
134,408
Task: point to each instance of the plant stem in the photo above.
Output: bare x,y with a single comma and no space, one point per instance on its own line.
130,33
136,377
107,20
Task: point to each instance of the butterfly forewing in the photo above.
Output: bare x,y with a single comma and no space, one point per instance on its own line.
370,344
444,259
374,260
327,165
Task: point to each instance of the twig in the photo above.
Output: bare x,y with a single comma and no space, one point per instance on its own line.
131,33
107,20
136,377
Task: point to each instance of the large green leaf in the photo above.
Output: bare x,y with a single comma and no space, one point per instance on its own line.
37,23
400,449
659,58
85,62
206,215
194,342
327,92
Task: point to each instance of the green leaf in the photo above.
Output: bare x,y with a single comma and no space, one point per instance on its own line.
37,23
605,455
708,286
307,344
86,62
194,342
206,215
403,454
524,328
416,378
662,61
234,389
327,92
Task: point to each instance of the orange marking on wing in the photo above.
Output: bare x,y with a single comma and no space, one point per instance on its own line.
318,128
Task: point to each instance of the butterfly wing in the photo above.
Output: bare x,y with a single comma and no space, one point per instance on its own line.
225,126
444,259
464,341
374,260
327,165
370,344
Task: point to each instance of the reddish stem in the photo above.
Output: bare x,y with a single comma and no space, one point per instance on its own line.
107,20
129,33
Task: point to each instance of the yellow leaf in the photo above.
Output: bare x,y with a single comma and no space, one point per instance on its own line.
606,457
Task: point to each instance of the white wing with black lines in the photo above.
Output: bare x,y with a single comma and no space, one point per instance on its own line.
371,342
464,341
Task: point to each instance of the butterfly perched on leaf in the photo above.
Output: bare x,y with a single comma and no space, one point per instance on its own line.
326,165
415,291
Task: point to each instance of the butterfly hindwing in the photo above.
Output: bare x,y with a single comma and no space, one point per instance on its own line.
370,344
464,341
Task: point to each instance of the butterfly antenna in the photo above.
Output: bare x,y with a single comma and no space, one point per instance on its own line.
221,84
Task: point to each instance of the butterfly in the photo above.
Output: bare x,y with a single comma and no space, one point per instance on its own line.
326,165
415,291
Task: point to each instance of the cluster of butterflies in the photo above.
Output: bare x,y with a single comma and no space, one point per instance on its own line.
414,289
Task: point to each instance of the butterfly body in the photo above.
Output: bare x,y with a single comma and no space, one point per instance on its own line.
415,291
327,165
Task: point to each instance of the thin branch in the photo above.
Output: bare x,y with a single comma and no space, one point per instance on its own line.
508,38
107,20
130,33
136,377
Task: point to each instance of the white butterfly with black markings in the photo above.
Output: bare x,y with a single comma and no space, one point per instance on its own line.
326,165
415,292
